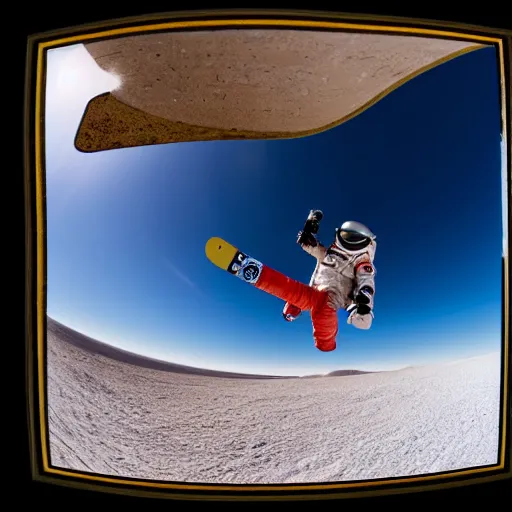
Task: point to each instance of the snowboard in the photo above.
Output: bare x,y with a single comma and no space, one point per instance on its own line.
231,259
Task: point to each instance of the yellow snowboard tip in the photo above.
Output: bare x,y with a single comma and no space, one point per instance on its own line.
220,252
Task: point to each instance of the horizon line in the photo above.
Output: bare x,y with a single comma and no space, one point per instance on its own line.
228,373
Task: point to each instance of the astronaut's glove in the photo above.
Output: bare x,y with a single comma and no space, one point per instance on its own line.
360,317
360,312
304,238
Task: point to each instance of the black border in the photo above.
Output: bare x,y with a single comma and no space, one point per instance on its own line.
32,213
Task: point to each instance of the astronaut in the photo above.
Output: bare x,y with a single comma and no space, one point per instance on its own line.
343,279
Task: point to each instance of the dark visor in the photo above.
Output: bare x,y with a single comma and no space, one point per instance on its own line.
351,237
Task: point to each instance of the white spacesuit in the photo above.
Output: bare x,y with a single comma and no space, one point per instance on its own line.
345,271
344,278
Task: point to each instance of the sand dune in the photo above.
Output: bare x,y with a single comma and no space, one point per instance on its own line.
108,416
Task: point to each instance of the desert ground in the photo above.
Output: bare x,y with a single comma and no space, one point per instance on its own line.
118,418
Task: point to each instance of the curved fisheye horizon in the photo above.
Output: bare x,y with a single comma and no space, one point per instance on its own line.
126,228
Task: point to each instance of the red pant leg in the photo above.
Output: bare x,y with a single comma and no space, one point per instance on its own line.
325,326
323,316
301,295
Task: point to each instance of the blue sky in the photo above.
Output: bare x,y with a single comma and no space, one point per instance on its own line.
126,229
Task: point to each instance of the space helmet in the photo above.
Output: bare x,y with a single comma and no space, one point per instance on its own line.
353,236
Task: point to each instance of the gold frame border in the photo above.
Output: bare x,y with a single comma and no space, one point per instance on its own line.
40,244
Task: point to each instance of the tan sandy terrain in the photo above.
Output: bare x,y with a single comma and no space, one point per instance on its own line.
115,418
247,83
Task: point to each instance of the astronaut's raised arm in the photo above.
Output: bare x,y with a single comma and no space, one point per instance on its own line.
313,247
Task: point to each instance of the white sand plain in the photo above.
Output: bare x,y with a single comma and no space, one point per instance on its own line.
114,418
